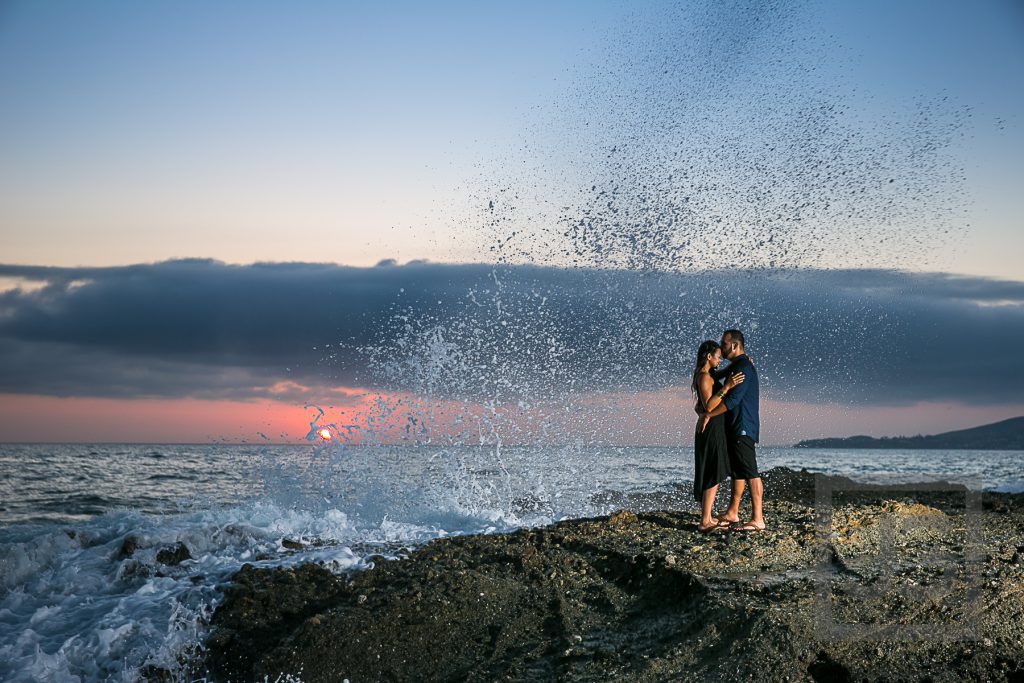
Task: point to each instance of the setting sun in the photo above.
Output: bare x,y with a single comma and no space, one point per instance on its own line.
325,434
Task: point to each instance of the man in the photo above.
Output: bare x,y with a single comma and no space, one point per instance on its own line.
742,427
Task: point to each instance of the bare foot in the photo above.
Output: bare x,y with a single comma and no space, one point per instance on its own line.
749,526
724,520
710,526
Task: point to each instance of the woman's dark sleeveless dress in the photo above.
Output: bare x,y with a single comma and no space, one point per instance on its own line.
711,457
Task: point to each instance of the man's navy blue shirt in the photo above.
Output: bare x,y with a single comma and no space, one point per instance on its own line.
742,401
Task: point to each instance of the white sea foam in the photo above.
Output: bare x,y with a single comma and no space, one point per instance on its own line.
92,601
77,609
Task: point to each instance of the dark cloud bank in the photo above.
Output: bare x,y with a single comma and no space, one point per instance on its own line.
206,329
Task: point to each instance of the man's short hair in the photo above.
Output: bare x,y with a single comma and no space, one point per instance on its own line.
737,335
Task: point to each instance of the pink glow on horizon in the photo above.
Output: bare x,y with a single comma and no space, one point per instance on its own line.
653,418
48,419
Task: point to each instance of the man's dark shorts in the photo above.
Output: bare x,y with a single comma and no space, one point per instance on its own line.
742,458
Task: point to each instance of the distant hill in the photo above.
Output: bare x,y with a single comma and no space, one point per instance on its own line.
1007,435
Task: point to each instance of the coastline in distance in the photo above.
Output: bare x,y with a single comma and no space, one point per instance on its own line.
1005,435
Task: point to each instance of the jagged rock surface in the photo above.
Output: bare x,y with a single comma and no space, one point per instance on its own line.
917,586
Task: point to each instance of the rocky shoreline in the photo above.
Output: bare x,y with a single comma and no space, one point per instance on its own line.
919,583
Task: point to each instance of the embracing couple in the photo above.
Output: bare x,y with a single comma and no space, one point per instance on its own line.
727,430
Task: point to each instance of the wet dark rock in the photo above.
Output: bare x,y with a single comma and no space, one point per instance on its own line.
128,547
291,545
156,674
827,670
173,555
133,570
85,539
622,518
642,596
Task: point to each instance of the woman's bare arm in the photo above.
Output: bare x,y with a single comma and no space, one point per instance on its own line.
718,410
712,402
705,387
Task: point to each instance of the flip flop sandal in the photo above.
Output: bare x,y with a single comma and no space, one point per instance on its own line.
747,528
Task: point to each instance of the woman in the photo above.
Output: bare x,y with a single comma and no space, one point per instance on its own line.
711,461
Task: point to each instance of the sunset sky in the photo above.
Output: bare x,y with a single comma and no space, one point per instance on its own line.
195,198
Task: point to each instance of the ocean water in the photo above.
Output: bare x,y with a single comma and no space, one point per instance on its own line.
75,607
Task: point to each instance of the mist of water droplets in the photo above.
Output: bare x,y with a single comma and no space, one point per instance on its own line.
708,148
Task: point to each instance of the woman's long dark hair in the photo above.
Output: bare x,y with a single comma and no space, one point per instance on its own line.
703,351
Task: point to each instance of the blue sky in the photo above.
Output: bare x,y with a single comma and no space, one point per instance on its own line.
242,118
135,132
